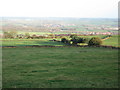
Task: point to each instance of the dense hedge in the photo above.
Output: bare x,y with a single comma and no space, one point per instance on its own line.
95,41
75,40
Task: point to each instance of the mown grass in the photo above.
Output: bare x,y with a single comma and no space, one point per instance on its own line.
63,67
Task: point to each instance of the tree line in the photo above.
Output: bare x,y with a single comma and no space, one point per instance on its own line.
15,35
74,40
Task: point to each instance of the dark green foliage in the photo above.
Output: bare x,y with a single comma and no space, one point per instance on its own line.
95,41
63,40
66,41
75,40
79,40
83,40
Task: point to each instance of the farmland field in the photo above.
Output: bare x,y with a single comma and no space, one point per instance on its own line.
60,67
112,41
28,42
46,56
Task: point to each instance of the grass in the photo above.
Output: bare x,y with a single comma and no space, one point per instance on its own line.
0,67
100,36
28,42
112,41
63,67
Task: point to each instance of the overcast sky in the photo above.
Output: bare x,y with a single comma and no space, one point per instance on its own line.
60,8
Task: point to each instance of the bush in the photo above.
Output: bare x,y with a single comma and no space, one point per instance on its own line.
83,40
79,40
63,40
73,36
95,41
75,40
68,42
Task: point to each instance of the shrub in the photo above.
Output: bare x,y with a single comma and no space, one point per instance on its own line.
68,42
95,41
79,40
75,40
63,40
83,40
73,36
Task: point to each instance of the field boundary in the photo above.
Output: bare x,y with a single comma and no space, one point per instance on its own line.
112,47
106,38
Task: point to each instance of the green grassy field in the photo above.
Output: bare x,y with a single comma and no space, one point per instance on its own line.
0,67
29,42
60,67
112,41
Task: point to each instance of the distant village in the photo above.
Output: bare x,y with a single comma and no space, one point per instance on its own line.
59,28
